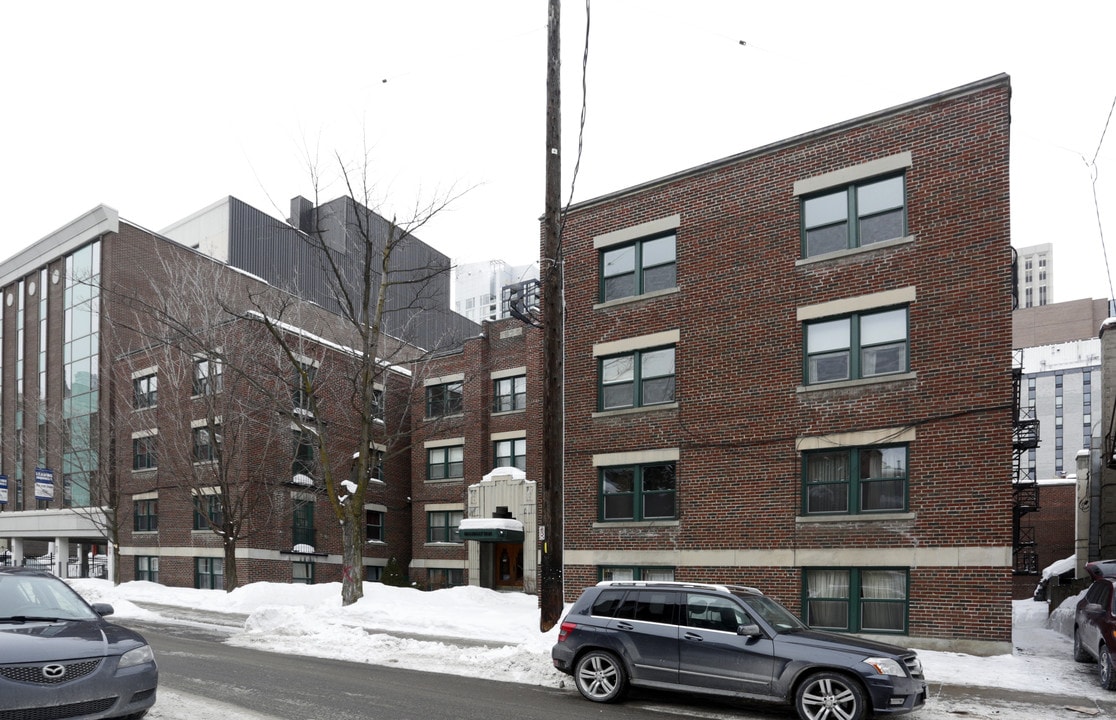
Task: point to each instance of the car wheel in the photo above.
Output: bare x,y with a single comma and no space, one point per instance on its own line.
1107,671
600,677
1080,654
826,695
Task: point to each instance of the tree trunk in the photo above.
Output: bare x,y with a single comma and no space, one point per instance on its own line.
232,582
352,554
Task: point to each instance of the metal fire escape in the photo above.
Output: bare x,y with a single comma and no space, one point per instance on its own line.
1025,489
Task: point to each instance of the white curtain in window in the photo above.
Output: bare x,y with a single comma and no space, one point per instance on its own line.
883,594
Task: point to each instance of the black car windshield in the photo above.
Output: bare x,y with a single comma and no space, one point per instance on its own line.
772,613
40,597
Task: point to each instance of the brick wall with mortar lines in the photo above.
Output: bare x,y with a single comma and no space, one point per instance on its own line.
739,359
503,345
130,264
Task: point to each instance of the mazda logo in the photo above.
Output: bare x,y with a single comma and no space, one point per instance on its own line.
53,672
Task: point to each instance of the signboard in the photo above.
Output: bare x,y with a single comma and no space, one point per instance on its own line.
44,484
3,489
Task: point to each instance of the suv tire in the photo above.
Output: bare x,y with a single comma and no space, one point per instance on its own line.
1107,670
600,677
828,694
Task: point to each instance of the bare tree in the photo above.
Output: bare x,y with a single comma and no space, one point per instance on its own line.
379,292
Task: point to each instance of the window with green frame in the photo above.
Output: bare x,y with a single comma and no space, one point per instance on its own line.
147,568
302,525
637,268
440,578
861,345
635,572
205,443
854,216
445,462
374,525
445,399
638,492
511,453
509,394
145,515
302,572
209,573
855,480
208,509
874,600
144,452
443,526
636,379
145,391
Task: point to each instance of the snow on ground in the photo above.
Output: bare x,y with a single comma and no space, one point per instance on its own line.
469,631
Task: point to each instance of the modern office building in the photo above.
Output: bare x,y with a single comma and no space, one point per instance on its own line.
1035,275
478,287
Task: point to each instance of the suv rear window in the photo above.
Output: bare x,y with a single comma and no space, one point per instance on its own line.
607,602
649,606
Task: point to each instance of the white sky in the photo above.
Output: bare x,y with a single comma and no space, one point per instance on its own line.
160,109
430,631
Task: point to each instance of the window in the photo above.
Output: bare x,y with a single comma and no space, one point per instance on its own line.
302,527
207,376
637,268
376,465
439,578
857,599
145,515
877,209
635,573
147,568
143,452
209,573
444,399
374,525
510,394
377,404
442,526
145,391
208,510
302,572
301,396
638,492
855,480
637,379
304,455
857,346
511,453
445,462
205,444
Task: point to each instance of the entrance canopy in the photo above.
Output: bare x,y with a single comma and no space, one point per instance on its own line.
506,530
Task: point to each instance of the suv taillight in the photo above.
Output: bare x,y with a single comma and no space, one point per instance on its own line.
564,630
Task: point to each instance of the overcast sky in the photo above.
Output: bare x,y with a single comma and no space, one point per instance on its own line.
160,109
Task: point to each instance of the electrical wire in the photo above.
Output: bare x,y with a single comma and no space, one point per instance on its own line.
1095,171
580,134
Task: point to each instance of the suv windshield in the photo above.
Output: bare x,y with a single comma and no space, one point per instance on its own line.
772,612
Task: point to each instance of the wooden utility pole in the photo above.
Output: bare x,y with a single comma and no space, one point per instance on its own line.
550,520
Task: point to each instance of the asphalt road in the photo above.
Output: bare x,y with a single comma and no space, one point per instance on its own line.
195,663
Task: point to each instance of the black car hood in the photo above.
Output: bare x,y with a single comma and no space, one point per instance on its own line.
66,640
841,643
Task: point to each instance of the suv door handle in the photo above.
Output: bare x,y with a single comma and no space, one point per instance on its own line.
692,636
624,626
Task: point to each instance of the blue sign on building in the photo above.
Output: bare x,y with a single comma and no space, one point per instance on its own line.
44,484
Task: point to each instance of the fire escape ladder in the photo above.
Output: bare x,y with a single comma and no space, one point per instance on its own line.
1025,488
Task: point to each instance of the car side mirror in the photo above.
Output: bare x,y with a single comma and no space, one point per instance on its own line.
103,609
748,630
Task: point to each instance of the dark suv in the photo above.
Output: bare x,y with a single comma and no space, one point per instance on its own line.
728,641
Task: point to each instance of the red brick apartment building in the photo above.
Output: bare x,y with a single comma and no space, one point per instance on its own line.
143,407
789,368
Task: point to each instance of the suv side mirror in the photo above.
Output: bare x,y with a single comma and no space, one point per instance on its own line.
748,630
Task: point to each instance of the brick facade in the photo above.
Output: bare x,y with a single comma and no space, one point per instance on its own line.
743,414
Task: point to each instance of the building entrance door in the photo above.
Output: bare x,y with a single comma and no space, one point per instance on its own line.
508,565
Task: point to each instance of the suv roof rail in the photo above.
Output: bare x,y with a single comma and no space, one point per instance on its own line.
679,584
